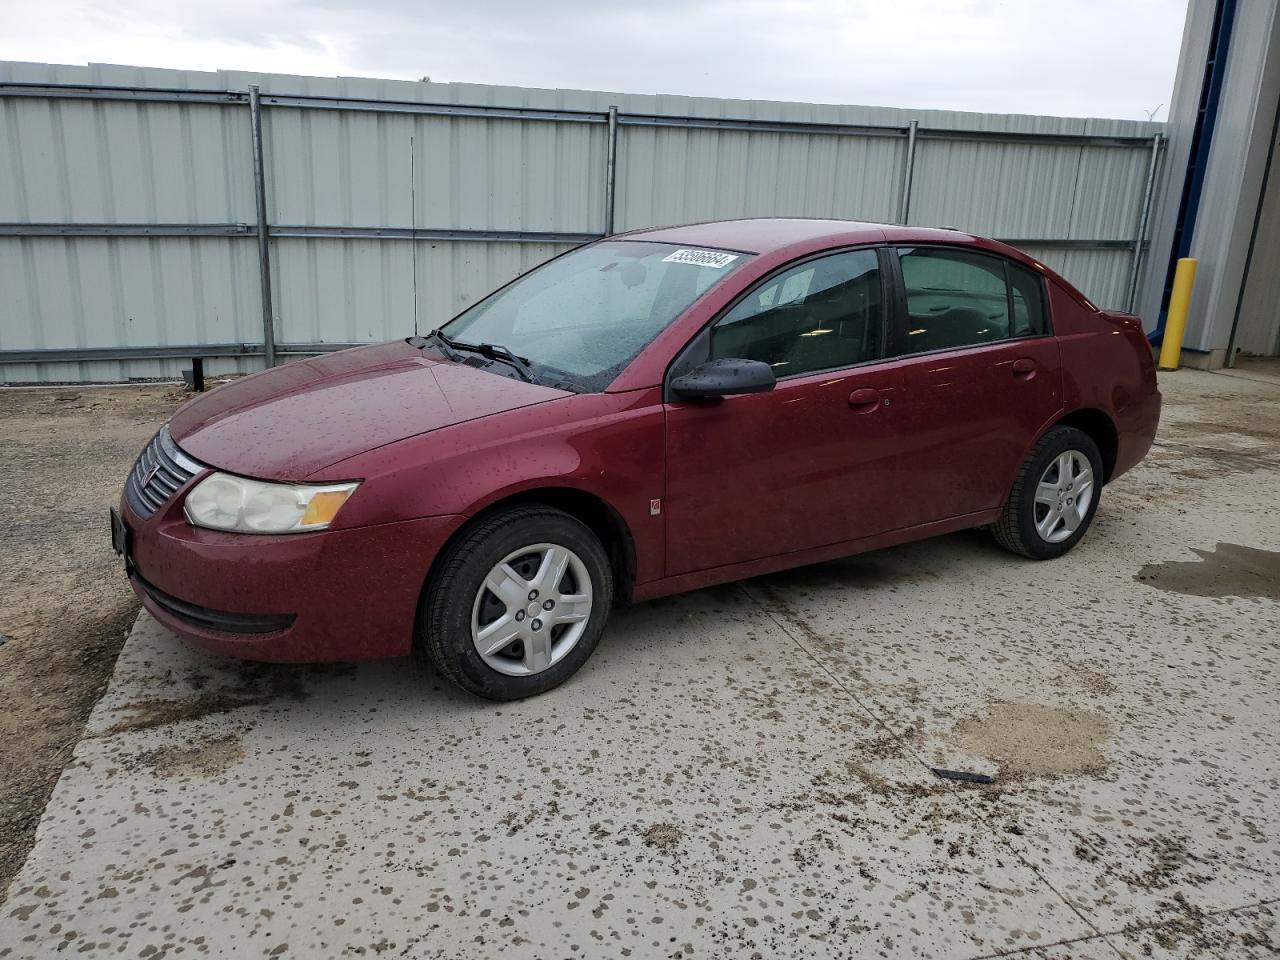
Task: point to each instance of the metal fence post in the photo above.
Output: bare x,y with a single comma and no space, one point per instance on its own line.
264,250
1140,238
611,172
908,169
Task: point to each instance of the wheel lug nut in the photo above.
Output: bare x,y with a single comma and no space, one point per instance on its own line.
537,624
547,605
519,615
533,594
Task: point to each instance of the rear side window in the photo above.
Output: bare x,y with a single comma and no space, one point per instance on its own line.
821,315
1027,291
956,298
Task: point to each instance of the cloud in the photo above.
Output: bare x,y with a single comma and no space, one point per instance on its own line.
1086,57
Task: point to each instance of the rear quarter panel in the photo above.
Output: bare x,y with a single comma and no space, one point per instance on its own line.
1107,365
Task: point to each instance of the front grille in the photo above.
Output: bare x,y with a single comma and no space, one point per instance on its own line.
160,471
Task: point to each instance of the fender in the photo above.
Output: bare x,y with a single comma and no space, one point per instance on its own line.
463,469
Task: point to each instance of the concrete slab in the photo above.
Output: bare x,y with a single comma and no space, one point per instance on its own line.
694,785
1265,369
1173,807
1094,948
743,771
1252,932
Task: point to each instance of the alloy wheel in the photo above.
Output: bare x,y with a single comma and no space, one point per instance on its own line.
1063,496
531,609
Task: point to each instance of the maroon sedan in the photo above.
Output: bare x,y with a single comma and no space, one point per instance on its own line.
651,413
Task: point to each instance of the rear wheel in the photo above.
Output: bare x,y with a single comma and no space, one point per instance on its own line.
1054,496
518,603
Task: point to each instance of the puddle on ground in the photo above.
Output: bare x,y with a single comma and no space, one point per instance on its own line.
1034,740
1228,570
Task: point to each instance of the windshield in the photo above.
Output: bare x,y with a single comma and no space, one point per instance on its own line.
584,316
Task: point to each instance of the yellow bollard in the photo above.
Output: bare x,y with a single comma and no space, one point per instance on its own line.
1175,326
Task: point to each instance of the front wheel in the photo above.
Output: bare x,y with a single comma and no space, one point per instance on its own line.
1054,496
518,603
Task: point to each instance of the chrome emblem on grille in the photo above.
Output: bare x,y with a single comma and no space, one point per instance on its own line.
146,481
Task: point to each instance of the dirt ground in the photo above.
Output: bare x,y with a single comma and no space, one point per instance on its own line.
65,608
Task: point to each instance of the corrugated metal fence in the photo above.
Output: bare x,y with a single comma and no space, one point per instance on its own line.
132,222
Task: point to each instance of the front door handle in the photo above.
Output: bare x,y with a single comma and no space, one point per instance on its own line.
1024,368
865,399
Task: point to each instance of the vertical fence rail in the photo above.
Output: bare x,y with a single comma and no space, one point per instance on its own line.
1140,235
908,171
611,172
413,223
264,249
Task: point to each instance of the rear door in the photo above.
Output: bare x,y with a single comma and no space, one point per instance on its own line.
981,377
810,462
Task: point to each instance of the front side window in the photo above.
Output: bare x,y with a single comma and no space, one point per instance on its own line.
586,315
823,314
956,298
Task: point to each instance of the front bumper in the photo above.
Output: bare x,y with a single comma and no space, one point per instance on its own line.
345,594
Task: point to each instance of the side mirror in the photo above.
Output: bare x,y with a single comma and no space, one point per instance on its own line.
724,378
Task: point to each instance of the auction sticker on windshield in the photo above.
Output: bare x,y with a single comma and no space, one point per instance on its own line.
701,258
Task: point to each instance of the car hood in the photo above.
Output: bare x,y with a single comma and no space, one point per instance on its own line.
290,421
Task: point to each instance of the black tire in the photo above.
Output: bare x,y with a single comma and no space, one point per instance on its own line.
1016,528
444,623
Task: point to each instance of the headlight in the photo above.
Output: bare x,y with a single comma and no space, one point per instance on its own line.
222,501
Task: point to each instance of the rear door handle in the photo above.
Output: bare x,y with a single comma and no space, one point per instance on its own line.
1024,368
866,399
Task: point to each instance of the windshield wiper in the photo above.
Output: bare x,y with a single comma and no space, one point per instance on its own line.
496,351
441,343
493,351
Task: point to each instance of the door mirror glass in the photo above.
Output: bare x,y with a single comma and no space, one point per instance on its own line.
724,378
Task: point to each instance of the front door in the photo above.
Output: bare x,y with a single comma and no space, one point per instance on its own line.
811,462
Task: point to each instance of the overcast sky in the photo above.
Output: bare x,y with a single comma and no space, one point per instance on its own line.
1105,58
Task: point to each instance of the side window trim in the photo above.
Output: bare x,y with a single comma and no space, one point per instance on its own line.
698,348
896,336
900,319
1008,299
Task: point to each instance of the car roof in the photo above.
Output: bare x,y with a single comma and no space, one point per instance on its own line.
760,234
768,234
783,237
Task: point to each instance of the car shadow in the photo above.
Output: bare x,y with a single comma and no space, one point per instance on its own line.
634,632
